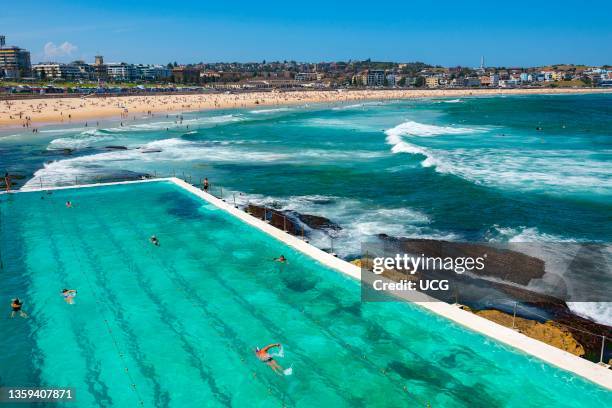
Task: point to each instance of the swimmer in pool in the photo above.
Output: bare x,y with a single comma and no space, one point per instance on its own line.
68,295
16,304
281,259
154,240
265,357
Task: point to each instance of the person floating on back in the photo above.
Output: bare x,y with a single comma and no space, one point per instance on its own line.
68,295
265,357
154,240
16,304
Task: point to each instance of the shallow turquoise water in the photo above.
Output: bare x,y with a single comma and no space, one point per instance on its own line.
184,317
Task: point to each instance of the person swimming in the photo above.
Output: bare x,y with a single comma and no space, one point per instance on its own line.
68,295
7,181
154,240
68,204
16,304
265,357
281,259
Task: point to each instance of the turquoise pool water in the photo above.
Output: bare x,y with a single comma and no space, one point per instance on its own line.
184,317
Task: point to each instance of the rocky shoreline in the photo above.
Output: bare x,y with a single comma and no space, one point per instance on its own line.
559,326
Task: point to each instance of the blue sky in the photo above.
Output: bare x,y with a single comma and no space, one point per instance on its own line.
443,32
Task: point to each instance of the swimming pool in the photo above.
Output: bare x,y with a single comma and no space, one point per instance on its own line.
183,317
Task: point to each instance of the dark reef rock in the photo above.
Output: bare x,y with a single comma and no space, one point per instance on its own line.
290,220
318,222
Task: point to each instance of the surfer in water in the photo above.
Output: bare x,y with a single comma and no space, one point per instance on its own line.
7,181
265,357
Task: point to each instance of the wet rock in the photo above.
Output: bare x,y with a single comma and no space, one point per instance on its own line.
112,147
318,222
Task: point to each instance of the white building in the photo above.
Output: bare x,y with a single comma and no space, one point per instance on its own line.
52,70
122,71
509,83
471,82
306,76
153,72
494,80
392,80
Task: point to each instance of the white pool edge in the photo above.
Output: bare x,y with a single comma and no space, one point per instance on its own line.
552,355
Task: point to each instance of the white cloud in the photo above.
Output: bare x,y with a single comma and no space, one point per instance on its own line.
62,50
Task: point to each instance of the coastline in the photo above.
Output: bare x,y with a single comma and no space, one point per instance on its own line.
51,110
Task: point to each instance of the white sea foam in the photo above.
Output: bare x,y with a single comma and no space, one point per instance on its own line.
76,142
269,111
179,150
550,170
358,105
600,312
523,234
337,123
360,222
558,253
553,171
412,128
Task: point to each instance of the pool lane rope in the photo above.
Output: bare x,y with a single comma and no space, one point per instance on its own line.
97,300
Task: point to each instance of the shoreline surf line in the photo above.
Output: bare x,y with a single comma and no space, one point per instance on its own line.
49,111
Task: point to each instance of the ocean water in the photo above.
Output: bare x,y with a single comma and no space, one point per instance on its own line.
520,168
175,325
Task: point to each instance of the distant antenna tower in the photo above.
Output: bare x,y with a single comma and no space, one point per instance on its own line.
482,62
2,41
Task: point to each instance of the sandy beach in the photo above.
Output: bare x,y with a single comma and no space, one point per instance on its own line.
33,113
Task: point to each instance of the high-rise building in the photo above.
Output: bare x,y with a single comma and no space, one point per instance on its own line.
14,62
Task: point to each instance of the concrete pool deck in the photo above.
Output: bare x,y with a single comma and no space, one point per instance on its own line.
552,355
